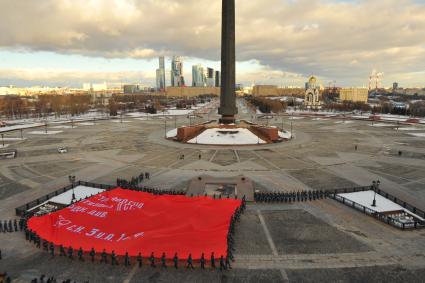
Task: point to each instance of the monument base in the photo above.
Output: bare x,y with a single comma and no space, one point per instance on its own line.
227,120
242,133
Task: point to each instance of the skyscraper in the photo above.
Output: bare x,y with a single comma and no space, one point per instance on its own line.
217,78
198,76
177,78
210,77
160,74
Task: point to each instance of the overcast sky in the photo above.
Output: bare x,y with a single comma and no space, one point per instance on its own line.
68,42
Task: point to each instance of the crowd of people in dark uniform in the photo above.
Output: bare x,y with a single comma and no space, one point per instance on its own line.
290,197
134,186
9,226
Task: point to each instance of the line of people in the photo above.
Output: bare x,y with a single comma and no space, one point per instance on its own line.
12,225
113,258
269,197
135,181
131,185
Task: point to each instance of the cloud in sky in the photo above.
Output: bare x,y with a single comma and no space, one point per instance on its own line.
288,40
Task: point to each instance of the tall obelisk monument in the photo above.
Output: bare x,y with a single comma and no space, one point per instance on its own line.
228,108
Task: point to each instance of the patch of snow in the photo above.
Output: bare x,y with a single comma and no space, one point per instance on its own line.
44,132
62,127
80,193
19,127
285,135
119,121
419,135
383,125
296,118
86,123
172,133
320,119
217,136
360,117
411,129
13,139
3,146
344,122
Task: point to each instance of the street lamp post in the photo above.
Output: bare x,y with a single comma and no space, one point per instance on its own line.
165,127
292,120
375,185
72,181
283,121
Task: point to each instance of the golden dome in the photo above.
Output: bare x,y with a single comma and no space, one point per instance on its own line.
312,80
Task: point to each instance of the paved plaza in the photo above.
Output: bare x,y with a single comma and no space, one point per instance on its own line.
319,241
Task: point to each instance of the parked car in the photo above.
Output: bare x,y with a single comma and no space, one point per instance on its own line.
62,150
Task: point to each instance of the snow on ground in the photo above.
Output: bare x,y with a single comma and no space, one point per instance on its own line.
296,118
86,124
44,132
119,121
360,117
285,135
62,127
320,119
411,129
80,193
169,112
383,125
19,127
237,136
13,139
4,146
172,133
382,204
344,122
420,135
66,198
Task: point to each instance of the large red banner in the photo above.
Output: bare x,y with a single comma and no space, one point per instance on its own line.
133,222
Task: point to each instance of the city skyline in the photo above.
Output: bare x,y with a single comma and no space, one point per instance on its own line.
340,41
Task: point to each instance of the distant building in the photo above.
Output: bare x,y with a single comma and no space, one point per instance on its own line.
198,76
354,94
273,90
312,94
129,89
177,78
160,75
210,77
217,78
87,86
191,91
395,86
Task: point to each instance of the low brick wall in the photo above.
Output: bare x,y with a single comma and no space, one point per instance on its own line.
187,133
269,133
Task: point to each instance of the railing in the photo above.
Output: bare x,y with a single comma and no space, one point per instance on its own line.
404,204
20,211
380,216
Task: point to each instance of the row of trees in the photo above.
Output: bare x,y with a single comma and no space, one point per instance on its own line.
45,105
267,105
416,109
